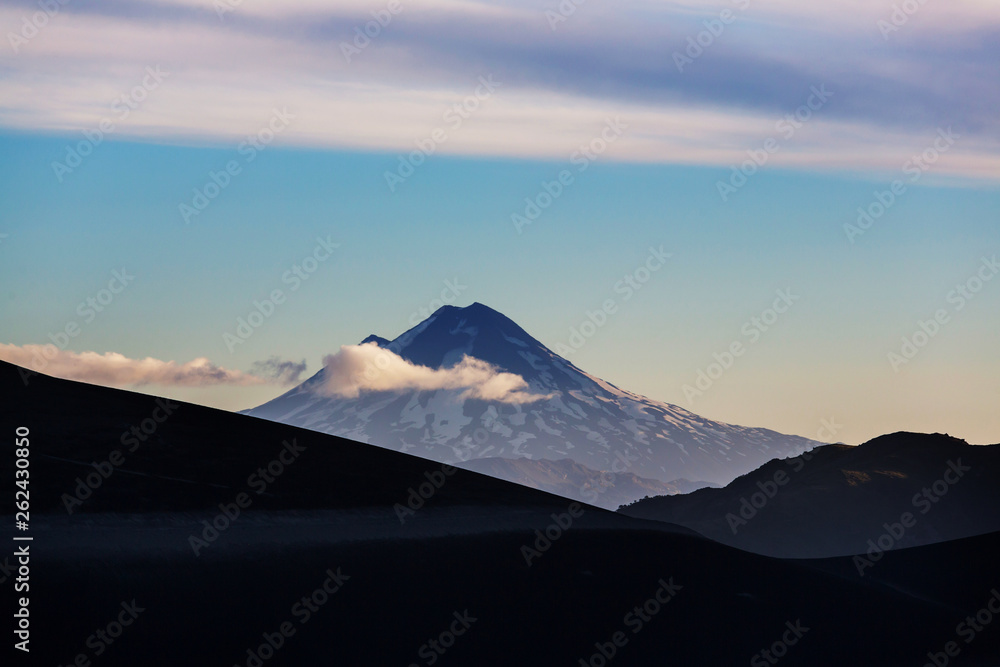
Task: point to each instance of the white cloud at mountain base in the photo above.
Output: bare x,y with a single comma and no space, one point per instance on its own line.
358,368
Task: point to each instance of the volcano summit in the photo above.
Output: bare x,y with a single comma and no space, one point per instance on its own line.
469,383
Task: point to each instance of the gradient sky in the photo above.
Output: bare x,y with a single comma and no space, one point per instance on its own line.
323,176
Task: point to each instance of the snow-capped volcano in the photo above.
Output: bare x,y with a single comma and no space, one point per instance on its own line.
570,414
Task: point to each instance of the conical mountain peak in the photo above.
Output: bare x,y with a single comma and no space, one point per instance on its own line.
475,330
578,416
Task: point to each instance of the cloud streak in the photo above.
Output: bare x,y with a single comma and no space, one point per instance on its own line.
359,368
116,370
227,74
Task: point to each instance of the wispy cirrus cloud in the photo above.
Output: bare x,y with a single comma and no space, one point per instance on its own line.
227,73
116,370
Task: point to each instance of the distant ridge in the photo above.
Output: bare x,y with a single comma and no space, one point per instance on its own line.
837,498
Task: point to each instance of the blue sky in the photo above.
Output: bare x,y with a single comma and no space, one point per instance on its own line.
654,184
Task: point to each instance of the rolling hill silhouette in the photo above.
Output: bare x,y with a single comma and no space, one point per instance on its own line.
463,580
